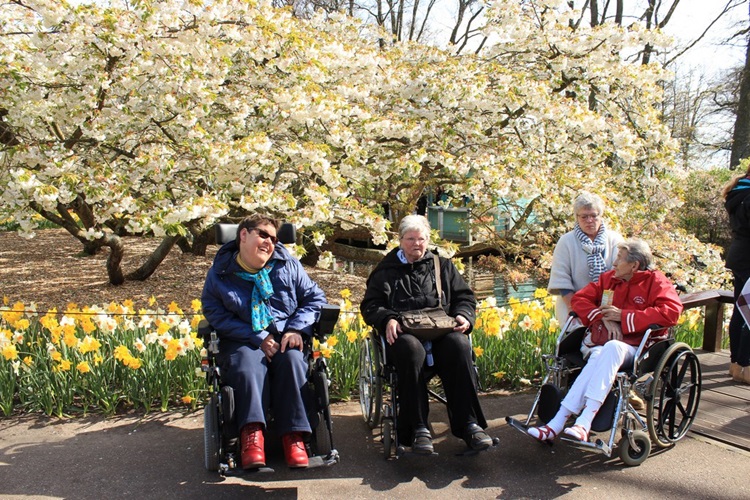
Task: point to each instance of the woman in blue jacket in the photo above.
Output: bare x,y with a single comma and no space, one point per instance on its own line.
262,304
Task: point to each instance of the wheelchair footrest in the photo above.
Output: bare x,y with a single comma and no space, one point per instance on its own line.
596,446
324,461
470,452
517,425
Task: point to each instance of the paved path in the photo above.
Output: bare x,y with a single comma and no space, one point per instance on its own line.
160,456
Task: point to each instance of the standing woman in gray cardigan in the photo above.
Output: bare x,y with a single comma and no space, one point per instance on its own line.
583,254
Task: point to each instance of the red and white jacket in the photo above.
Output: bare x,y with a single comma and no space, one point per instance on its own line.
648,298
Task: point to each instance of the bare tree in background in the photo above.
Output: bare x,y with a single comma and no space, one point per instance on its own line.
741,136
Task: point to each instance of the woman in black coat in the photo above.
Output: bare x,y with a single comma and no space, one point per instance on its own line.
405,280
737,203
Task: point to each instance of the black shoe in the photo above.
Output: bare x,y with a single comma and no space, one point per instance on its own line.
422,442
476,438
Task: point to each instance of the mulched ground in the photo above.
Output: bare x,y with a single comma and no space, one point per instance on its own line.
51,271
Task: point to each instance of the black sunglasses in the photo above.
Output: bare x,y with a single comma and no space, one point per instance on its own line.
264,235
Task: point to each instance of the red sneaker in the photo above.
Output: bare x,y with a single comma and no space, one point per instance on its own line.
294,450
252,446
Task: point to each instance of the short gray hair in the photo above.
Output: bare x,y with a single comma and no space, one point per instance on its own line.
414,223
638,251
588,200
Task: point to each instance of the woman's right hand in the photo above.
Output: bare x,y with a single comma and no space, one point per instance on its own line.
392,330
269,346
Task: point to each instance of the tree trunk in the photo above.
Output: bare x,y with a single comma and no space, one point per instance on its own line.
201,242
741,136
348,252
116,251
156,258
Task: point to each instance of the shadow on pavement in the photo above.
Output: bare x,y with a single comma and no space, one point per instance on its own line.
161,456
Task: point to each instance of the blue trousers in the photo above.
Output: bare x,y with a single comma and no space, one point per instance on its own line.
739,334
259,385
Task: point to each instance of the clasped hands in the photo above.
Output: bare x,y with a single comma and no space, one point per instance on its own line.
290,339
393,328
611,317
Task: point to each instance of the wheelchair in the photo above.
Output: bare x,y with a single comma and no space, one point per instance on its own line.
378,394
220,431
666,375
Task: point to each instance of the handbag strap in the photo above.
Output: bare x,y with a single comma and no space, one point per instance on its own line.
436,260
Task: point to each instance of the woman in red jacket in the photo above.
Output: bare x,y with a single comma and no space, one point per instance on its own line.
617,309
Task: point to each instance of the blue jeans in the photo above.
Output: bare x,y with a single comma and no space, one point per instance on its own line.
739,334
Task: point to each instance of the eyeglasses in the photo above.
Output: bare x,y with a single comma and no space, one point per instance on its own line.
265,236
588,216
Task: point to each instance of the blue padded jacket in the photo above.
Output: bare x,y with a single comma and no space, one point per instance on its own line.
295,303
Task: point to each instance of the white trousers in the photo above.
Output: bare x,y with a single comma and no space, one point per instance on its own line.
596,379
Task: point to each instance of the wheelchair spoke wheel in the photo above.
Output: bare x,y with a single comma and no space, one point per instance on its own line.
631,455
211,434
370,383
675,394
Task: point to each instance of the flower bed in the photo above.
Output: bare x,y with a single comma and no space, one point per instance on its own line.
114,357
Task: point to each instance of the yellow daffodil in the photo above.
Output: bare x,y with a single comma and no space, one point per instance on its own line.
89,344
133,363
10,352
351,336
83,367
188,399
478,351
196,305
69,337
121,352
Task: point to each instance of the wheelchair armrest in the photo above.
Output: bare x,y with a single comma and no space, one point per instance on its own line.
204,330
208,334
327,318
647,336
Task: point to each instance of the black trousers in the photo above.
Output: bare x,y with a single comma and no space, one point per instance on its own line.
453,363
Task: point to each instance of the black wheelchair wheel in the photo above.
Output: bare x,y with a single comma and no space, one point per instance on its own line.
674,396
370,383
321,444
320,384
387,437
211,434
635,456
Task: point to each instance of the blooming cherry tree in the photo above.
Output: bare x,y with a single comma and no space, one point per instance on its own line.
162,117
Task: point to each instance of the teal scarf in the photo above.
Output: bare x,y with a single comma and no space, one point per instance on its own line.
263,289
